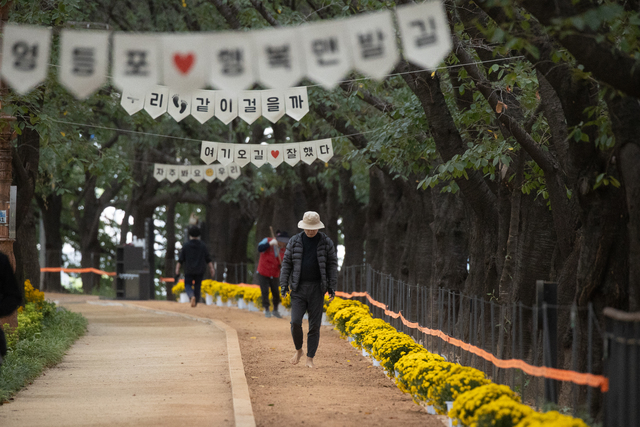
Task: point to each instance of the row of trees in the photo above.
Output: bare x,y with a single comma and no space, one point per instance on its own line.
517,160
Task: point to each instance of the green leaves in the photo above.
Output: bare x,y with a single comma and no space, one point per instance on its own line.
604,179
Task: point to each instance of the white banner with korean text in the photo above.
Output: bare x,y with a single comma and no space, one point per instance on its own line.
259,154
231,61
249,105
196,173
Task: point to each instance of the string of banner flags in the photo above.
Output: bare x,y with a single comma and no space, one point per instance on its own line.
224,105
277,58
232,157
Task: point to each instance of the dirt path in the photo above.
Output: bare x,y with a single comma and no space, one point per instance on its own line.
144,368
344,389
133,367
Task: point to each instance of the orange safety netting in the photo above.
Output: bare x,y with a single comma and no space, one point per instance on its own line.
76,270
537,371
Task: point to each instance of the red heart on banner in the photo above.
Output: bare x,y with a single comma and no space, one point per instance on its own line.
275,153
184,62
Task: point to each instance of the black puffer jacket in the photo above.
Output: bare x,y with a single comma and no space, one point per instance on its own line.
292,263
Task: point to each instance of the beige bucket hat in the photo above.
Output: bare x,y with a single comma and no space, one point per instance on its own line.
311,221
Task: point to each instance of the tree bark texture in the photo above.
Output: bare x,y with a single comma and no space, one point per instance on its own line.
51,211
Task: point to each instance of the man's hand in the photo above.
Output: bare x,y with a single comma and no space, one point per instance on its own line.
273,242
283,290
213,272
332,294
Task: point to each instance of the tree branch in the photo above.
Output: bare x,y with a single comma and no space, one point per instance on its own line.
260,7
604,61
229,14
544,159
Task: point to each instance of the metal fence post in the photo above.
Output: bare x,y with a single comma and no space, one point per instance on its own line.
547,298
622,348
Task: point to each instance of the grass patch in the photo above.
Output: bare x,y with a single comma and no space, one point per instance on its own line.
33,355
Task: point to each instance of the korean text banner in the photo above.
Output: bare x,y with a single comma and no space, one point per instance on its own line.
224,105
230,61
259,154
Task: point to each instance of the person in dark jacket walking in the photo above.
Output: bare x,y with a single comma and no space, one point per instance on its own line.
309,269
10,297
271,254
195,258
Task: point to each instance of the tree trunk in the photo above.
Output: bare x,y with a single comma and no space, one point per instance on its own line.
626,127
51,211
353,221
26,252
25,163
229,225
451,241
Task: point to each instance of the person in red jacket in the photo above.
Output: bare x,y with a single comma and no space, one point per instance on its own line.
271,253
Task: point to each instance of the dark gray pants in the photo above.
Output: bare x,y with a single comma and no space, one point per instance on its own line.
266,284
307,298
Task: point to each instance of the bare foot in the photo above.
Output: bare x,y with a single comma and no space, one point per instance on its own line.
296,357
310,362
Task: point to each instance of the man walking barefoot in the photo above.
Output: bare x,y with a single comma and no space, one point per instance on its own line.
310,268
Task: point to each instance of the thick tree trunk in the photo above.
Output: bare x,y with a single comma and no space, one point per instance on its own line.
25,162
416,262
374,229
90,259
451,237
353,221
26,252
51,211
626,127
228,225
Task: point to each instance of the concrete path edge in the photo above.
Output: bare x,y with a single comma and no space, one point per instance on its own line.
242,409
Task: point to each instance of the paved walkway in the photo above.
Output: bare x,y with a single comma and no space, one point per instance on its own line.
139,367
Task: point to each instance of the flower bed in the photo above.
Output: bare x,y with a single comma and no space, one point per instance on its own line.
43,335
431,380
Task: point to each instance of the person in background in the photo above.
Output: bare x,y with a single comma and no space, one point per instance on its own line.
10,297
195,258
271,253
310,269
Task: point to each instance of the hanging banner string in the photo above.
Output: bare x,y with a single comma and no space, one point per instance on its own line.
232,61
580,378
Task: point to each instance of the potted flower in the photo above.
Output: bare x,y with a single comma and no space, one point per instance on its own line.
390,347
341,317
504,412
551,418
372,336
238,295
460,379
325,320
338,304
178,291
208,291
466,404
412,368
251,295
365,327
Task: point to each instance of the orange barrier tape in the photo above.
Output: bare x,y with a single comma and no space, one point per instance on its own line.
76,270
537,371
